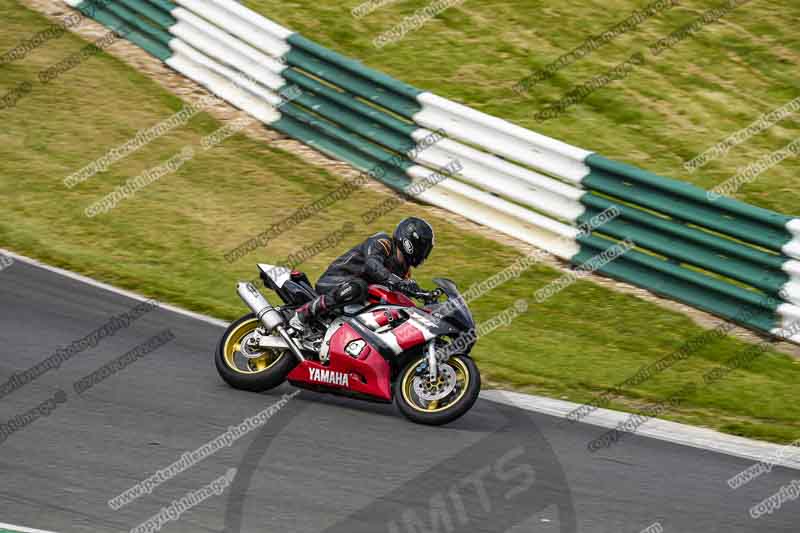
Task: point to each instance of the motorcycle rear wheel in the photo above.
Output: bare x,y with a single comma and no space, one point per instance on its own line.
247,367
447,409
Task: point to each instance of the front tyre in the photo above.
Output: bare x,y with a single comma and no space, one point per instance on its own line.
437,403
244,365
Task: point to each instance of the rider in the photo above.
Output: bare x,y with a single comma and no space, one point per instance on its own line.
381,259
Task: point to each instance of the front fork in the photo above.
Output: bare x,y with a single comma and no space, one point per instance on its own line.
433,362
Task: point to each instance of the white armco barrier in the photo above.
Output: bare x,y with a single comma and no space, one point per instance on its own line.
234,59
244,24
792,267
510,179
225,48
225,89
792,248
506,179
237,78
273,29
789,322
503,138
496,213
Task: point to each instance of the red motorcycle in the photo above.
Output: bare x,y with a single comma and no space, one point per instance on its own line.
389,349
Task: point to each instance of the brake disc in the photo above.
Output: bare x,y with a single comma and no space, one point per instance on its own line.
249,347
444,384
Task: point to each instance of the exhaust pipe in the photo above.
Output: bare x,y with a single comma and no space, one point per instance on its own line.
266,314
260,306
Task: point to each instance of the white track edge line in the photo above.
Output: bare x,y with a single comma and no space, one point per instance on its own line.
123,292
655,428
20,529
664,430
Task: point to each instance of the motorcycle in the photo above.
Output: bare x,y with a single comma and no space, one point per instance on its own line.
386,350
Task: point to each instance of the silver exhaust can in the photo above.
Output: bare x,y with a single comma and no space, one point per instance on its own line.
267,314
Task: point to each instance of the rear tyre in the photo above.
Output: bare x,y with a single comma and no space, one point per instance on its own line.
245,366
434,404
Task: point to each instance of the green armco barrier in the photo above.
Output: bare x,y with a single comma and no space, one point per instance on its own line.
135,20
344,137
679,272
700,213
166,5
679,230
113,22
156,14
356,123
687,202
751,309
355,67
383,171
358,85
713,253
344,99
686,190
687,252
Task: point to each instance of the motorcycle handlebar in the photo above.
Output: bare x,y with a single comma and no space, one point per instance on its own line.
427,296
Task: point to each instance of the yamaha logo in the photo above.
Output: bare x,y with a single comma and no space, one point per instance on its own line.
331,377
408,246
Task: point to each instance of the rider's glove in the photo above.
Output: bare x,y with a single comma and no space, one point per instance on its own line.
408,285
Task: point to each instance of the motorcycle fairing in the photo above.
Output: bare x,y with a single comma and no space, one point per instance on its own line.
382,295
293,287
366,373
278,274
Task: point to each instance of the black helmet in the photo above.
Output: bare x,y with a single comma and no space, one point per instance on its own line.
415,238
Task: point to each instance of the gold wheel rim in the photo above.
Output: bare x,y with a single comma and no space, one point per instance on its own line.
436,406
232,351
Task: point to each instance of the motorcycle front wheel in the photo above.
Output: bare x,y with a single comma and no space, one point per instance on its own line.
437,402
244,365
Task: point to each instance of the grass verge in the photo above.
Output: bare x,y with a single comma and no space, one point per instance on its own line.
168,241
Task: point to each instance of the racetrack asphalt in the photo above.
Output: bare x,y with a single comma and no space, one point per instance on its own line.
320,463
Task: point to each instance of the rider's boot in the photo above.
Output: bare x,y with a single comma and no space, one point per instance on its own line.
298,322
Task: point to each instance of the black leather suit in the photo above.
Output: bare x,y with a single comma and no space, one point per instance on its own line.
346,279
